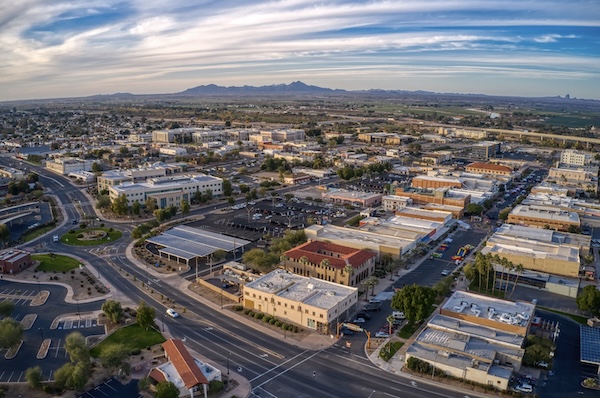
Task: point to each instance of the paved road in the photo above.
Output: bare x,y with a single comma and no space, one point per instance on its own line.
275,368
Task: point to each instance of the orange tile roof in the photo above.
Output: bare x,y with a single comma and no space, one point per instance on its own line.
157,375
183,362
313,251
489,166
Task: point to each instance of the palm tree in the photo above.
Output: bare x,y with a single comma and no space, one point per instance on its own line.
519,269
510,267
370,283
304,262
480,267
349,270
390,319
324,264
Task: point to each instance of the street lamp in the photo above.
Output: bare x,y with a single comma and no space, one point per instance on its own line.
373,392
228,355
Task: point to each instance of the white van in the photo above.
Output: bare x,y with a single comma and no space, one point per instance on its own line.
398,315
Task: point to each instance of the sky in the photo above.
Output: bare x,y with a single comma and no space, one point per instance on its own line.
72,48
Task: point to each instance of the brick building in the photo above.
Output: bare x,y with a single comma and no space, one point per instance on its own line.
13,261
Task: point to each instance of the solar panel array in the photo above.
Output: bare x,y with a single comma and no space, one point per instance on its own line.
590,345
188,243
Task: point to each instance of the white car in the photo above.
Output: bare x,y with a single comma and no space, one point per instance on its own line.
398,315
382,334
445,272
359,321
542,364
524,388
172,313
55,238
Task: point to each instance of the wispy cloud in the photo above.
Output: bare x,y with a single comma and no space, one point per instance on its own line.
80,48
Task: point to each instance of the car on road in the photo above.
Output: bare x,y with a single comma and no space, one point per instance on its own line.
359,321
382,334
172,313
55,238
74,222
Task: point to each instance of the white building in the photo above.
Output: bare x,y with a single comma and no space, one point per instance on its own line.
172,151
167,190
309,302
395,202
65,166
574,157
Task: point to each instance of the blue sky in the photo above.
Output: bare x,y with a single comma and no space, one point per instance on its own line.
60,48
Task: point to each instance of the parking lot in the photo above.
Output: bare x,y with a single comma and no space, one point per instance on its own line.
112,388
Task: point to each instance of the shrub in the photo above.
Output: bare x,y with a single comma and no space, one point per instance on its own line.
238,308
247,311
272,321
251,313
259,315
215,386
137,351
278,323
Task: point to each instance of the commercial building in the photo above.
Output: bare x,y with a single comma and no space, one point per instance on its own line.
139,174
180,135
569,175
309,302
167,190
172,151
550,189
432,182
395,203
575,158
381,244
380,138
488,168
12,173
485,149
548,217
476,338
189,374
464,133
438,196
330,262
405,226
13,261
543,250
65,166
362,199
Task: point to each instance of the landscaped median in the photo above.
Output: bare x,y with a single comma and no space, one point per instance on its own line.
133,337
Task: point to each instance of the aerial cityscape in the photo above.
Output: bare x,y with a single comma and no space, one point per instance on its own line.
308,199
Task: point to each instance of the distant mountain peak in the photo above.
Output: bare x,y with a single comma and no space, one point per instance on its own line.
292,88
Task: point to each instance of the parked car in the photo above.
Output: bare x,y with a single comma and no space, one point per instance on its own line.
398,315
172,313
382,334
359,321
445,272
527,388
542,364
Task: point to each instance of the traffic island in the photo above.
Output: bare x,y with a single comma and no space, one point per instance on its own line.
27,321
43,351
13,351
40,299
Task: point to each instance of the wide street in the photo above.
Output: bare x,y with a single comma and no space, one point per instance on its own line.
274,367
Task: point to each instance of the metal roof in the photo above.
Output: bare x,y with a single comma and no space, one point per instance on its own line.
589,349
188,243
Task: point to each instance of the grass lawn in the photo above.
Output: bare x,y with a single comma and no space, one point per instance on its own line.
393,348
56,263
71,238
30,235
132,336
408,330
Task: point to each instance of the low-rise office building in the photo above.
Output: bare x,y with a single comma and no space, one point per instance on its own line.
309,302
476,338
489,169
438,196
139,174
548,217
552,252
485,149
65,166
167,191
13,261
330,262
575,158
432,182
12,173
395,203
362,199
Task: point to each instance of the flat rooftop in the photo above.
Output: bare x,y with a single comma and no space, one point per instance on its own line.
342,193
356,238
502,311
311,291
546,212
499,336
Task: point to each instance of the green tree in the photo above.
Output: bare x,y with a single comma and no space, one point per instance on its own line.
4,233
219,255
6,308
227,188
150,205
77,349
244,188
230,201
145,315
370,283
103,202
503,215
96,167
414,300
33,376
120,205
11,332
474,208
72,376
136,208
62,375
113,310
166,389
144,383
185,207
260,259
589,300
113,355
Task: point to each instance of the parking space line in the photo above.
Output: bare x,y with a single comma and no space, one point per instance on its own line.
10,377
57,347
106,383
2,375
100,391
20,376
50,376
